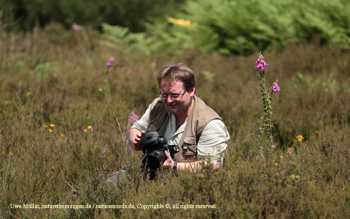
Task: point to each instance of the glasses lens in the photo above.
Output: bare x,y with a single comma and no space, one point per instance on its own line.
172,96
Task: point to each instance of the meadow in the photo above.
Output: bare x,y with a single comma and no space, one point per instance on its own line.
64,116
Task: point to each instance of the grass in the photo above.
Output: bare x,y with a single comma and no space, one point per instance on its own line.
60,79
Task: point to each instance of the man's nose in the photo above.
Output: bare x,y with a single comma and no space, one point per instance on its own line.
169,100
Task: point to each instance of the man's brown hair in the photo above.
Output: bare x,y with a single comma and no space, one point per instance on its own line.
177,71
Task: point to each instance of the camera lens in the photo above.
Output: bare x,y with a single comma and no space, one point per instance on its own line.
154,158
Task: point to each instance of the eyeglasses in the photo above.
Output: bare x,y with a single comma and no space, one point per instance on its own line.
172,96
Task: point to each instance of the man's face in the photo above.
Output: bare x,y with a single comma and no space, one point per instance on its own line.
174,96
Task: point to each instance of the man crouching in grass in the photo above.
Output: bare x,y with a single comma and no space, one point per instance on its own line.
185,120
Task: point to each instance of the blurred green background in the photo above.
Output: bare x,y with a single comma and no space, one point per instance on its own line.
231,27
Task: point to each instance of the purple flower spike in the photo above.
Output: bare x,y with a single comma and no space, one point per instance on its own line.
110,63
275,88
261,64
76,27
264,63
258,66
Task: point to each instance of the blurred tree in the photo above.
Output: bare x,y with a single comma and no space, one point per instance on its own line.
24,14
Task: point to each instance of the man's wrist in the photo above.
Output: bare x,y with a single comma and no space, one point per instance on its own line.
175,166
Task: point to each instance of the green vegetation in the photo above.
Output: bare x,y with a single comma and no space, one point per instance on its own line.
62,131
240,27
230,27
64,114
25,15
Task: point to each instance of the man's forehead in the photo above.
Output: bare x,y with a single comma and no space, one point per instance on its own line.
171,83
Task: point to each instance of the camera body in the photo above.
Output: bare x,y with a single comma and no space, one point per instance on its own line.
153,146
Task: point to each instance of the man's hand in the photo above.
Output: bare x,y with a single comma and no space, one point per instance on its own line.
168,163
135,138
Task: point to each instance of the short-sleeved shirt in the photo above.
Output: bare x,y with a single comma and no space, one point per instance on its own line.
211,144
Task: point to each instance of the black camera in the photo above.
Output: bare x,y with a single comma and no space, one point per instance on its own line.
153,146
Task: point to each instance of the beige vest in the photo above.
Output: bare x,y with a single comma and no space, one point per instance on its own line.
200,116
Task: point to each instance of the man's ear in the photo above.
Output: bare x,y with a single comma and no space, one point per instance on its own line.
193,91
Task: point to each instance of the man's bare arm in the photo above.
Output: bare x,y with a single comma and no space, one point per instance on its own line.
195,166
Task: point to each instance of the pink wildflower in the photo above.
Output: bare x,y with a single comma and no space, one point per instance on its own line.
132,117
261,64
262,154
110,63
76,27
258,66
275,88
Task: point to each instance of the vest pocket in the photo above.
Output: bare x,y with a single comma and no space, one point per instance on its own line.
189,149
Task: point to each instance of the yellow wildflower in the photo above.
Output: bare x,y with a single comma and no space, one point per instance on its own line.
181,22
85,130
290,152
50,130
317,133
63,137
6,102
89,127
52,125
300,138
29,94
